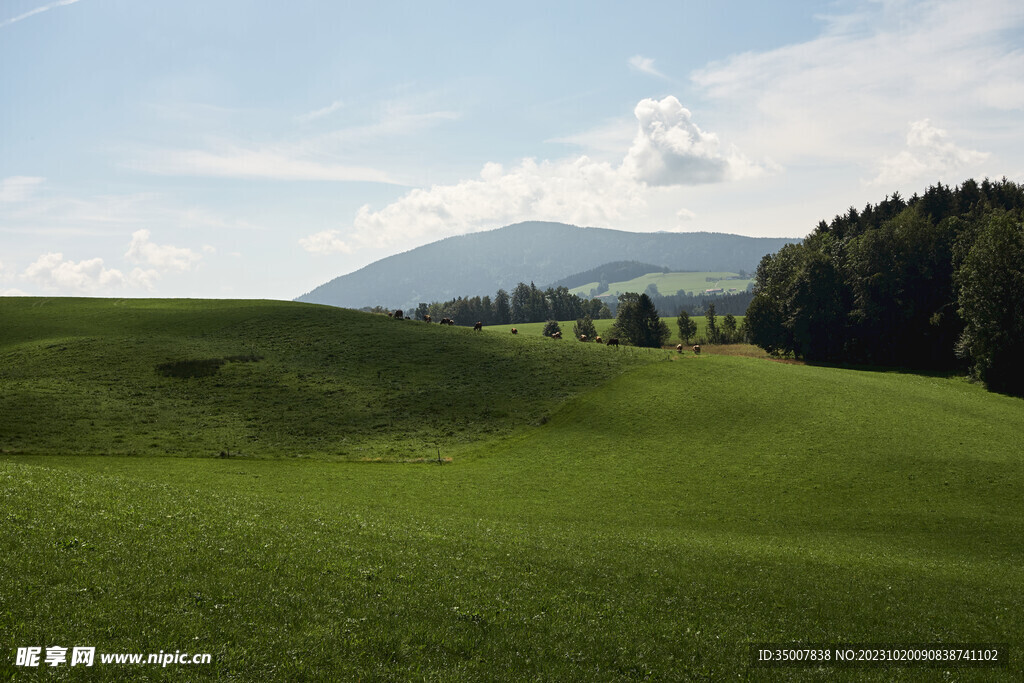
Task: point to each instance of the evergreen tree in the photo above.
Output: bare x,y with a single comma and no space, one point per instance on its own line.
991,299
712,324
638,321
728,334
502,312
687,327
585,326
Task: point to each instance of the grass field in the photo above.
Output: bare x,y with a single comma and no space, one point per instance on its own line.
670,283
603,328
650,525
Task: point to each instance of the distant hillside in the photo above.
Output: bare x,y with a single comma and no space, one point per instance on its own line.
482,262
617,271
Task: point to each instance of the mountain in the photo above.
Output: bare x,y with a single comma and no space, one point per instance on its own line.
482,262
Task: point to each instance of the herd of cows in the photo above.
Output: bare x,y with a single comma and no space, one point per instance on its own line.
479,326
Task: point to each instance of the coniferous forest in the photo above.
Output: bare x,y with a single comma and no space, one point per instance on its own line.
933,282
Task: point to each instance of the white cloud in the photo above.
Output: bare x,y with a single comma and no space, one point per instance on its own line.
18,188
930,156
668,150
38,10
685,215
53,272
13,292
253,163
320,113
326,242
645,65
842,95
161,256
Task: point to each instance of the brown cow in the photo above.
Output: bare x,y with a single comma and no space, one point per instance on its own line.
426,318
399,315
583,337
515,331
696,349
479,326
679,348
614,341
556,335
599,340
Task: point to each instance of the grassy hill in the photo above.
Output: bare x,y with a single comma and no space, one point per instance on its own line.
84,376
670,283
669,513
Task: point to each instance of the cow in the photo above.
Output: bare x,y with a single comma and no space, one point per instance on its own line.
599,340
614,341
696,349
556,335
447,321
515,331
479,326
426,318
583,337
399,315
679,348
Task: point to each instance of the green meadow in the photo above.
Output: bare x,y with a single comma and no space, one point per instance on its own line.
600,514
670,283
604,326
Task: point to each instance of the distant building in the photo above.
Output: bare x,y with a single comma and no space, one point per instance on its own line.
714,291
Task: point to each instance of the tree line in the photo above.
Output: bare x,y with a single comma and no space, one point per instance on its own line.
525,304
933,282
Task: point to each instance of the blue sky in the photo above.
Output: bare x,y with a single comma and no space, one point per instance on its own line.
258,149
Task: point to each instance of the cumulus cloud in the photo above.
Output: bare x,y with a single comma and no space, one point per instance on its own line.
930,154
668,149
160,256
53,272
18,188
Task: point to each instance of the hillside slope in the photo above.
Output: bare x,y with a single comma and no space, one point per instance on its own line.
652,529
97,376
481,263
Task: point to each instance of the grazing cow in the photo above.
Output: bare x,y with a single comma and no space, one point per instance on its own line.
583,337
447,321
696,349
599,340
614,341
515,331
399,315
556,335
426,318
679,348
479,326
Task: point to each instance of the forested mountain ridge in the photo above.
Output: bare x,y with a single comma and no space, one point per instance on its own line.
540,252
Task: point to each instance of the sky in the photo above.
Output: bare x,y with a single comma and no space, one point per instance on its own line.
255,149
